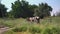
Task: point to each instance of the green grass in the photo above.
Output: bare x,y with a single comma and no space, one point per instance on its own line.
20,29
48,22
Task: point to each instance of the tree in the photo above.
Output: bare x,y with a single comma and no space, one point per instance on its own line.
16,9
43,10
22,9
33,8
3,10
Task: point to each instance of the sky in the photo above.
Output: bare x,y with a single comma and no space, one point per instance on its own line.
55,4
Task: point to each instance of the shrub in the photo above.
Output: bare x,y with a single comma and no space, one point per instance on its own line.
20,29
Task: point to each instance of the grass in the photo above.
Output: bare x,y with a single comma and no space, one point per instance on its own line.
34,30
45,24
20,29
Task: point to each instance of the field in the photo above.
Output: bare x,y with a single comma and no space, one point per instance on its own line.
48,25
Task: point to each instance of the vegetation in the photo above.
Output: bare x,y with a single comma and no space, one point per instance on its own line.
52,30
48,25
9,32
24,9
20,29
45,27
34,30
3,10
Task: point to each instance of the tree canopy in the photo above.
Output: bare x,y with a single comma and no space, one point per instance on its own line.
44,10
21,9
3,10
24,9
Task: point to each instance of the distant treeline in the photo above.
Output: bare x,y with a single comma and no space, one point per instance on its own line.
24,9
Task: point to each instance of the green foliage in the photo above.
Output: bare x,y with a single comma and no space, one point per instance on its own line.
56,30
47,31
43,10
8,25
21,9
10,14
3,10
24,9
35,29
53,30
9,32
20,29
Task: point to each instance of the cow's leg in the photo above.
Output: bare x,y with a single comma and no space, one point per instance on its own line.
38,20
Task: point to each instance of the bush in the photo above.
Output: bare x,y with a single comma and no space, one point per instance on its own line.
35,30
20,29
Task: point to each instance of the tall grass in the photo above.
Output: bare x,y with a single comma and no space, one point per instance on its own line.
52,30
20,29
45,27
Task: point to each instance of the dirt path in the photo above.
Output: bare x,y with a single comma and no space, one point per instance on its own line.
2,30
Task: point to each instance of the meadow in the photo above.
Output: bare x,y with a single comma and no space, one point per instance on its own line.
48,25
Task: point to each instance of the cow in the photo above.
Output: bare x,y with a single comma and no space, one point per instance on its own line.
37,18
34,19
30,19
